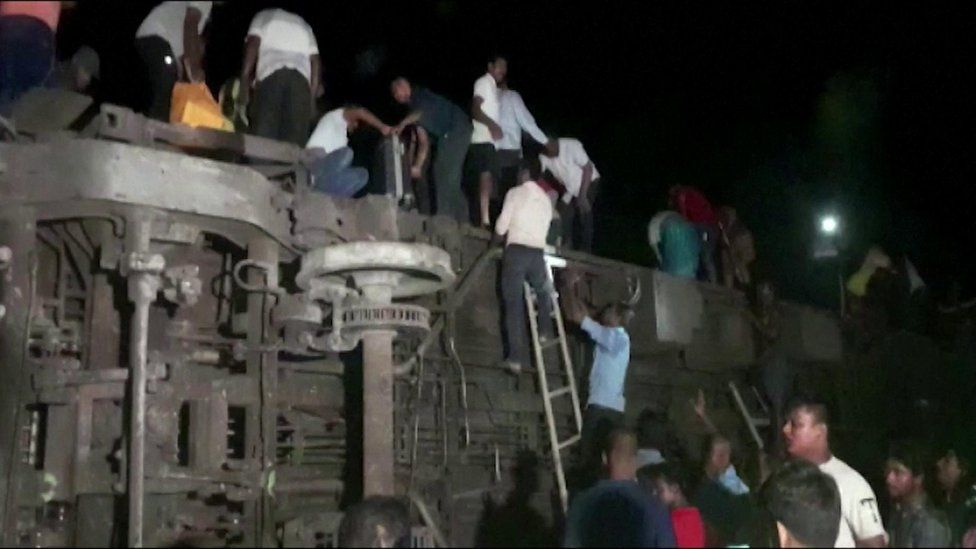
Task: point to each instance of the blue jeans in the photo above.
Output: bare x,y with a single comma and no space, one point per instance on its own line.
26,57
333,174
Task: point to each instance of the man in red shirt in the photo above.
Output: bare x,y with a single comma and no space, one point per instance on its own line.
692,204
668,483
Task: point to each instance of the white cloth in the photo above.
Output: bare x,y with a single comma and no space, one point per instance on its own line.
859,518
568,166
526,215
487,89
514,118
331,133
287,41
166,21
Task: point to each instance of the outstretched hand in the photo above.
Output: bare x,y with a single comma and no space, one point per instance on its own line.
699,405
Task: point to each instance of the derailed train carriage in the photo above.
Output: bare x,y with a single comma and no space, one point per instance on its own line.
197,350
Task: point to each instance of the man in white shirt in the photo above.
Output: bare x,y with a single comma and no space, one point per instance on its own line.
807,438
514,118
524,220
281,63
328,155
568,161
482,155
168,39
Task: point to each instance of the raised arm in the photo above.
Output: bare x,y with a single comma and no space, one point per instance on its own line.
700,410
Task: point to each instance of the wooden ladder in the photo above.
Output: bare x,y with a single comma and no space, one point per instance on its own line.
556,444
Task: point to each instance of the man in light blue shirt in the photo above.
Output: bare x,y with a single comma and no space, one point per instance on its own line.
611,355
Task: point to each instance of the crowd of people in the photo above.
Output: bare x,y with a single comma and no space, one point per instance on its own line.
656,498
629,489
471,153
693,239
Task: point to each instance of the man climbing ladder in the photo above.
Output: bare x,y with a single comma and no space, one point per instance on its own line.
524,220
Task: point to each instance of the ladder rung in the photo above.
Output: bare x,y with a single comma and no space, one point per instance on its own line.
559,392
569,441
760,421
549,344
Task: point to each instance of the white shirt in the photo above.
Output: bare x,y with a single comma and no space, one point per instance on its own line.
166,21
568,166
514,117
526,215
331,133
487,89
286,42
859,518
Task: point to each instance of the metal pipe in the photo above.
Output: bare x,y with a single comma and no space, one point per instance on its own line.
141,286
378,471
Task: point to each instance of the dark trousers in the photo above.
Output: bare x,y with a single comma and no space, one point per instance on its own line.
448,171
26,57
709,235
282,107
598,422
520,264
509,162
569,213
160,75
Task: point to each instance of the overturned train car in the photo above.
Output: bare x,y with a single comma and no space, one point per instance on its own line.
195,349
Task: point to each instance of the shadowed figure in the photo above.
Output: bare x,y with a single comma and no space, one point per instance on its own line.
515,523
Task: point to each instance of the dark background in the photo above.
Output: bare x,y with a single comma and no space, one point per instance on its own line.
784,110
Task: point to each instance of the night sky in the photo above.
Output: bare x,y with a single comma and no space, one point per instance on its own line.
783,110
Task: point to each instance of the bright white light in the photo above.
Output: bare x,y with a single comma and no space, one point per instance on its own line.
168,60
829,224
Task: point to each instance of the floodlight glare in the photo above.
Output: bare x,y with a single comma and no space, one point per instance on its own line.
829,224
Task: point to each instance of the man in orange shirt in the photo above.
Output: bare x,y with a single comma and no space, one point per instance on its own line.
27,31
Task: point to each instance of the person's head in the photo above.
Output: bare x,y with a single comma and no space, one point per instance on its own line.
498,67
616,315
805,503
668,482
673,193
85,67
806,430
718,455
620,455
765,293
950,470
377,521
530,169
401,90
551,148
905,471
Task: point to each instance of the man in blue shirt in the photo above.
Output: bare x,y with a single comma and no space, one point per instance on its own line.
617,512
611,355
450,128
